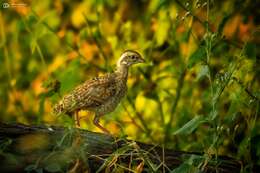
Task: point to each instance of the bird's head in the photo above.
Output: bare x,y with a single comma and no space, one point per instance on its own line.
130,57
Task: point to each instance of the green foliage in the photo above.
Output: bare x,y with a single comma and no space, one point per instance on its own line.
190,126
198,56
69,77
250,50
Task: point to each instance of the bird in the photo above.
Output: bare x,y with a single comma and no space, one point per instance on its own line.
101,94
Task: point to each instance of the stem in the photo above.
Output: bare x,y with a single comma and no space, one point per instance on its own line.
139,116
191,13
97,42
175,103
132,119
44,66
161,113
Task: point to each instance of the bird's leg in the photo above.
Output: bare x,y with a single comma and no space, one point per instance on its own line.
96,122
76,117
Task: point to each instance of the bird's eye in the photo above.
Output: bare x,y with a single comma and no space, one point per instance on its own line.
133,57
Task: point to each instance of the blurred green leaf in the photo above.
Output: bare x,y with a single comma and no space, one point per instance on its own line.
186,35
190,126
222,24
69,37
4,143
163,28
33,45
53,167
97,34
213,114
197,56
195,160
183,168
30,168
39,170
69,77
204,71
250,50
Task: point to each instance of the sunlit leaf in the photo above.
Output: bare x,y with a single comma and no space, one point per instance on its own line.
204,71
69,37
155,4
33,45
163,27
140,167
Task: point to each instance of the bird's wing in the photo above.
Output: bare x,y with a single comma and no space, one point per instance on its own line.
90,94
98,91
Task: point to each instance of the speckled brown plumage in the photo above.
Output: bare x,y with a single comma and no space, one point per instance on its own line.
101,94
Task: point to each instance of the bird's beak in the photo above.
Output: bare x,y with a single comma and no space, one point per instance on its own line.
141,60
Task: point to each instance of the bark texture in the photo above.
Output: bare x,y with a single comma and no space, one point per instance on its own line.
26,148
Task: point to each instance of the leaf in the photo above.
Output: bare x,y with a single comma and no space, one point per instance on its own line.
190,126
186,36
53,167
183,168
140,167
69,37
33,45
39,170
213,114
30,168
69,77
250,50
197,56
195,160
222,24
163,28
97,34
154,5
5,143
204,71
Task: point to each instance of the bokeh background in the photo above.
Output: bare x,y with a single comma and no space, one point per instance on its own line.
198,91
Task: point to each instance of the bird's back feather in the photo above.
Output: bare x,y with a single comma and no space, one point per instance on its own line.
89,95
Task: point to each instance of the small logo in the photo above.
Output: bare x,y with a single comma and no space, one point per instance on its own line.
5,5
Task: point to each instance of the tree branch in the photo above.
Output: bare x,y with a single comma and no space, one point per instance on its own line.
81,151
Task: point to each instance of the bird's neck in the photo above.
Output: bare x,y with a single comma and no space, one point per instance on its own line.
122,71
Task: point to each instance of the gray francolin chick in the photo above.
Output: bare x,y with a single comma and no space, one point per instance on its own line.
102,94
